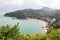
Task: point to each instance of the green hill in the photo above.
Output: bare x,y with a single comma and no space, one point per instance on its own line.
34,13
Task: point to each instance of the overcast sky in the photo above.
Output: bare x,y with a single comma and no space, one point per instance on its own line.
9,5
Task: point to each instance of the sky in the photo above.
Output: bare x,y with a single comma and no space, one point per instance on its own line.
11,5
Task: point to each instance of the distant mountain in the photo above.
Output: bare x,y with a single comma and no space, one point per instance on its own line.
33,13
46,8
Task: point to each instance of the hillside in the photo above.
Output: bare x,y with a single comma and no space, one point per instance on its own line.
34,13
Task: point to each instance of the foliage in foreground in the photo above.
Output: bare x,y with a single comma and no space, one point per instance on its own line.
12,33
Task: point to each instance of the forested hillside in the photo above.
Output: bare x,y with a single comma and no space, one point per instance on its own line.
34,13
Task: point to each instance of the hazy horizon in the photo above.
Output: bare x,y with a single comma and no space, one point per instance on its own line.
13,5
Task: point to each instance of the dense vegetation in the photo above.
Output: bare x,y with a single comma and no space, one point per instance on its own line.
56,24
34,13
13,33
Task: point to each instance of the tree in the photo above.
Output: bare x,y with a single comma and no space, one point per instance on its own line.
8,32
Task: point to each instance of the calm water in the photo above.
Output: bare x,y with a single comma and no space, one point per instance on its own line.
28,26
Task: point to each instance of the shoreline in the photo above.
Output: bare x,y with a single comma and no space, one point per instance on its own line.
45,25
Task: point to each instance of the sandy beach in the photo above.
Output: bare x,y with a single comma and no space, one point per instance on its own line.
45,25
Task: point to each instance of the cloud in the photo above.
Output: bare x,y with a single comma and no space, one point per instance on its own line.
54,4
12,2
40,2
23,4
31,4
48,3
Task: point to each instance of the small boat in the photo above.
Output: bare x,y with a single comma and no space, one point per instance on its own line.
13,18
42,27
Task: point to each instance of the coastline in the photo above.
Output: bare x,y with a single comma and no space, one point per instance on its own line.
45,25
